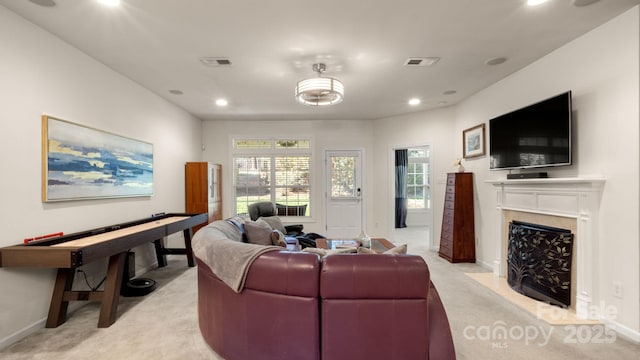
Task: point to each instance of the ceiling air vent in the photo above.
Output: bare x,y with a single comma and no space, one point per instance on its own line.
215,61
421,61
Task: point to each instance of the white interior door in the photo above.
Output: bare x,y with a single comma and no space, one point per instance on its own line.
343,193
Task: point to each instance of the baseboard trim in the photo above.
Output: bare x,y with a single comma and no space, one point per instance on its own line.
624,331
22,333
40,324
485,265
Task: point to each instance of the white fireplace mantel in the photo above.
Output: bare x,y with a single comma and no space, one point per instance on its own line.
577,198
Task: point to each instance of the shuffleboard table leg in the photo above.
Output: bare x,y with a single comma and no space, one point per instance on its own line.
111,294
187,247
58,307
160,252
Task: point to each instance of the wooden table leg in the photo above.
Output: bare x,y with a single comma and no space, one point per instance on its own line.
187,246
160,252
58,306
111,293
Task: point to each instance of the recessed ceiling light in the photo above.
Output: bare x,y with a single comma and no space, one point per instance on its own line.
222,102
584,2
414,101
176,92
47,3
536,2
496,61
109,2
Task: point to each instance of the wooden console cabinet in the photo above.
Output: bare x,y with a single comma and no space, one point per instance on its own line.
203,190
457,240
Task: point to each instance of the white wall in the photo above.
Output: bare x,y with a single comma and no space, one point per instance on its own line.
42,75
601,69
325,134
435,128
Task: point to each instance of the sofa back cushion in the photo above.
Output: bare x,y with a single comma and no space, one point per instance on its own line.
364,276
231,229
374,307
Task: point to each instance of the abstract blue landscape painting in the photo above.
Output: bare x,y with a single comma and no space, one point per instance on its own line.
83,163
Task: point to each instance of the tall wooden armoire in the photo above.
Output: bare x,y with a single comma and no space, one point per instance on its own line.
203,190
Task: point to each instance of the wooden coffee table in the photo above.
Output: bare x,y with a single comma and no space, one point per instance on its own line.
378,245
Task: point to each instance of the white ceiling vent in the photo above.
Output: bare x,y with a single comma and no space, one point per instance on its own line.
421,61
215,61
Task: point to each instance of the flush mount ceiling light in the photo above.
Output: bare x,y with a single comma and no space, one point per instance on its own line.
110,2
536,2
319,91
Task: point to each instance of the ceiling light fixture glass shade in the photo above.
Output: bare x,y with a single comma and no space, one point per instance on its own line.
319,91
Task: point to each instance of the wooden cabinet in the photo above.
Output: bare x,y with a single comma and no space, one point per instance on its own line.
457,240
203,190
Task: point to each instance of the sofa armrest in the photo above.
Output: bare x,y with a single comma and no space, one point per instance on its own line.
374,276
440,339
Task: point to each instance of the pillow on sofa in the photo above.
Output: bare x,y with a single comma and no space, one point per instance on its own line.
325,252
278,239
401,249
257,233
274,222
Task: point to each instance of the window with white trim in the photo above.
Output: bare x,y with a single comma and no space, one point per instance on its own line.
418,189
275,170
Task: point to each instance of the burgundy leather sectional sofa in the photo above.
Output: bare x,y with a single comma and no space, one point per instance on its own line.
295,305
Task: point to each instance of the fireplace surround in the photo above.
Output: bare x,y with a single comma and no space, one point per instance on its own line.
574,201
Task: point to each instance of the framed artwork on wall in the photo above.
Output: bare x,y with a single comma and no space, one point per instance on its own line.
81,163
473,143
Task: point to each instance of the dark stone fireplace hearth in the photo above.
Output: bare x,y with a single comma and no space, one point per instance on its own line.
539,262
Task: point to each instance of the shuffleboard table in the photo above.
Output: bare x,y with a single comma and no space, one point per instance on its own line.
68,252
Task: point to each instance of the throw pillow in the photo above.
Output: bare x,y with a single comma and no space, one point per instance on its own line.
401,249
257,233
274,222
264,223
277,238
364,250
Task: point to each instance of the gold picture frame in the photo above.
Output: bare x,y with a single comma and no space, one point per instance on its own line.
473,141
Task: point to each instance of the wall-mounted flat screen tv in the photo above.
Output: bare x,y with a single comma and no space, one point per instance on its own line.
538,135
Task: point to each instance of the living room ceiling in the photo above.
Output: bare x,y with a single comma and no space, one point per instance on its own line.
272,44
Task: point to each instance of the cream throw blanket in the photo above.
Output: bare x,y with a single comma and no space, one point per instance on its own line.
229,260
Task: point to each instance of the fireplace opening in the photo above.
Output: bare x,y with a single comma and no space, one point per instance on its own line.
539,262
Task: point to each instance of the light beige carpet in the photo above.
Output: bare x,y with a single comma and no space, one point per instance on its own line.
163,324
551,314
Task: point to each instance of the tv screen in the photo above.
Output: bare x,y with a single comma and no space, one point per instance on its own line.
538,135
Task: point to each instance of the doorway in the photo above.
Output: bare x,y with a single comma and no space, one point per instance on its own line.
343,184
411,189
